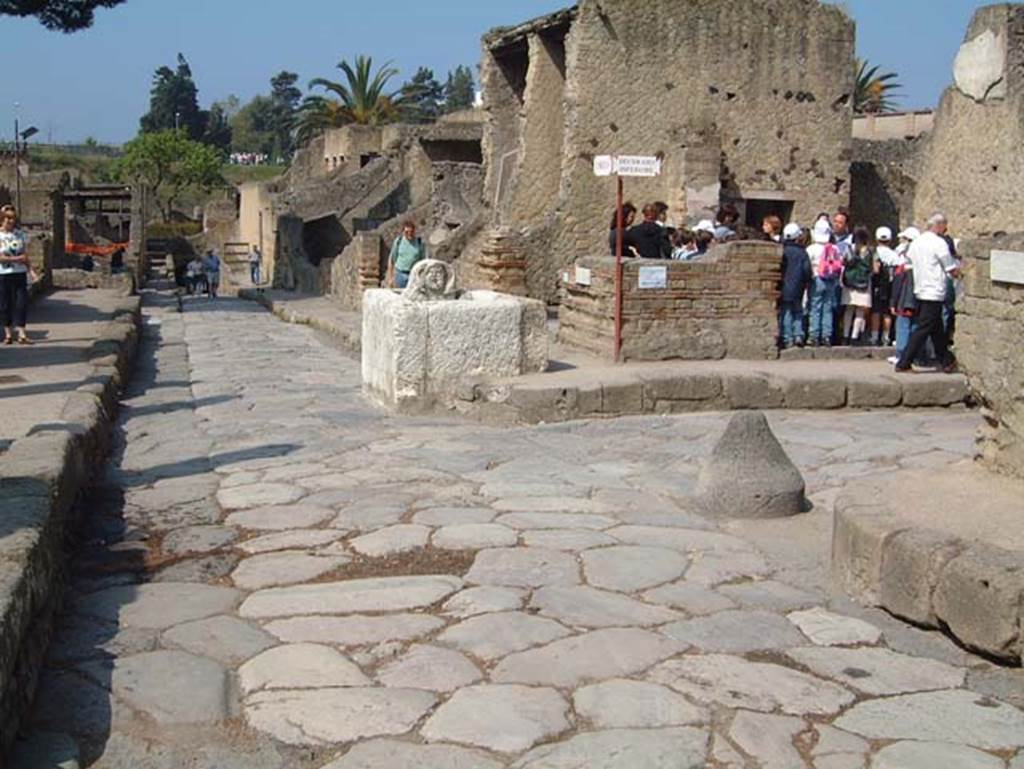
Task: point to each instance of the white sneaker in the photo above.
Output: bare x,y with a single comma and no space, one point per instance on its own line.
893,360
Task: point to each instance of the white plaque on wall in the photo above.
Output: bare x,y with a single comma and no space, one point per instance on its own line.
1007,267
652,277
582,276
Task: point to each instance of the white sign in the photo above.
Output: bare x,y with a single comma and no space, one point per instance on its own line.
653,277
1007,267
604,165
582,276
637,165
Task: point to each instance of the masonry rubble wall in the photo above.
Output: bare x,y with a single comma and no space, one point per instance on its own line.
724,306
990,325
736,114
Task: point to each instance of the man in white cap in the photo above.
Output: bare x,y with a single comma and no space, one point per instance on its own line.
933,264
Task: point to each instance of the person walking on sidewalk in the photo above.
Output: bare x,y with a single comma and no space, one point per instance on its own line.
933,265
211,269
255,265
14,271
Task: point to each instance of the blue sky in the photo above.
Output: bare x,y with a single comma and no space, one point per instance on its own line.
96,83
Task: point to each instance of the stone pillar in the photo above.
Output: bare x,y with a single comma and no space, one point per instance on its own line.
502,263
368,259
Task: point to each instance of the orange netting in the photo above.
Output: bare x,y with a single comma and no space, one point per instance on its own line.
92,250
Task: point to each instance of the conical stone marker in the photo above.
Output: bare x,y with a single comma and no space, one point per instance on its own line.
749,474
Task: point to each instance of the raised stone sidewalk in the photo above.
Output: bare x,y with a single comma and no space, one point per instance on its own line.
943,550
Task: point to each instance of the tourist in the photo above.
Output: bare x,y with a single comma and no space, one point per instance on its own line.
211,271
772,228
649,239
796,277
684,245
841,234
194,275
856,301
883,270
406,251
663,214
725,222
255,265
933,265
903,303
14,269
826,266
628,217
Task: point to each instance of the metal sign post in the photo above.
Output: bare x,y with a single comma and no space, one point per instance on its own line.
620,166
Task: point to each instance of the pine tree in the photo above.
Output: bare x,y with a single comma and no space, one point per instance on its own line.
425,96
284,97
174,103
459,90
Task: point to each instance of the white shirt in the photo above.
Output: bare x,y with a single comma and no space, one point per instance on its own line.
932,262
890,258
12,244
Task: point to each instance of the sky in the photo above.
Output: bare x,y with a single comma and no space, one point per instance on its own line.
95,84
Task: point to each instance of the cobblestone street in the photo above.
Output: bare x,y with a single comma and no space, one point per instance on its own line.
276,574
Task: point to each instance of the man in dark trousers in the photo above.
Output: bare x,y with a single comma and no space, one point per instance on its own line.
649,239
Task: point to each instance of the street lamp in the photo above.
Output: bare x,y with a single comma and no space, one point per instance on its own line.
19,141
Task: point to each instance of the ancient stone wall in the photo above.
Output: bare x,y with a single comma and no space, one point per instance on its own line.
990,326
724,306
688,81
883,182
972,168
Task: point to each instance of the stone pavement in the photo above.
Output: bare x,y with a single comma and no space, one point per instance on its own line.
278,575
35,381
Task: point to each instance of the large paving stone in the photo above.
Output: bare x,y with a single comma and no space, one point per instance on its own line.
392,539
523,567
680,748
352,597
357,630
595,656
502,718
737,631
454,516
225,639
768,738
473,536
157,606
483,600
430,668
258,495
570,540
384,754
737,683
770,595
748,474
198,539
683,540
290,540
879,671
206,569
955,716
933,755
170,687
625,704
713,569
284,568
299,666
628,568
556,520
492,636
828,629
335,716
582,606
281,518
692,598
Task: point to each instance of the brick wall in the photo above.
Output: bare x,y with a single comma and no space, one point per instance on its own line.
990,325
722,307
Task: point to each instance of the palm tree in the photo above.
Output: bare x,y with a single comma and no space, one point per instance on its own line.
361,99
875,92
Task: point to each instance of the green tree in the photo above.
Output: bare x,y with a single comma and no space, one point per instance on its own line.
285,97
459,90
169,163
424,96
174,102
254,128
60,15
217,132
875,93
361,99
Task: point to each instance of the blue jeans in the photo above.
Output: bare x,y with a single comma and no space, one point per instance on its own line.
254,272
401,279
791,323
904,326
823,309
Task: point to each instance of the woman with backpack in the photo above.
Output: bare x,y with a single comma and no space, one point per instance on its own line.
856,282
826,267
406,251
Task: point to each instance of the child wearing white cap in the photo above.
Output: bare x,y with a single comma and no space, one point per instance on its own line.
883,269
826,267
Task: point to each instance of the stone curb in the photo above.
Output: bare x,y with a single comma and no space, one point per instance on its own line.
633,394
349,340
41,476
972,590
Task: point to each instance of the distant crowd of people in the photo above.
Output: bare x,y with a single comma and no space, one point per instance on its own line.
248,158
841,285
